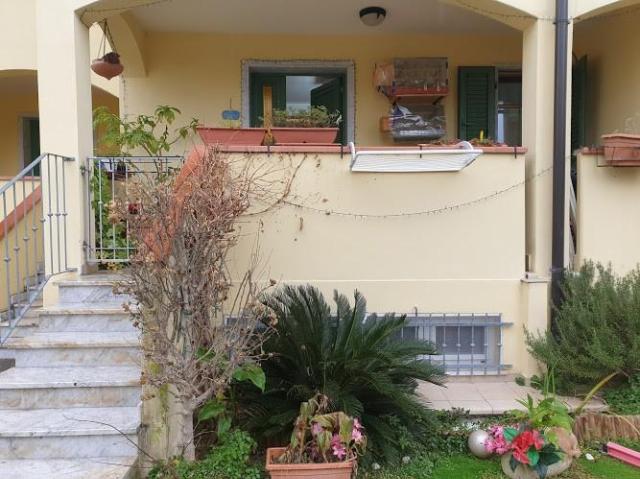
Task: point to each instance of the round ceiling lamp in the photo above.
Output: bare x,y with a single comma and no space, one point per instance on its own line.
372,16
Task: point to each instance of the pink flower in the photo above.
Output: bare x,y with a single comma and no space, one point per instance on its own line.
356,435
356,424
496,442
337,448
316,429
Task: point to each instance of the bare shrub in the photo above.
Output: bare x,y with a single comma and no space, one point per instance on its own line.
184,226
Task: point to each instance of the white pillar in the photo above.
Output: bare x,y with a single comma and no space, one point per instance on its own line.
537,132
64,92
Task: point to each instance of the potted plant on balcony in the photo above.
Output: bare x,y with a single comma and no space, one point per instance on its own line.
232,133
623,149
323,444
540,444
313,126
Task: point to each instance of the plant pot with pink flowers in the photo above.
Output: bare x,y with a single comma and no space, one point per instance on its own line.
539,444
323,445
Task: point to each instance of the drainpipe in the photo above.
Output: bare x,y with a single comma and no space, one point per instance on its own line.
559,149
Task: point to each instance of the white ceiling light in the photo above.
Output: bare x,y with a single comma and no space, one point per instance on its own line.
372,16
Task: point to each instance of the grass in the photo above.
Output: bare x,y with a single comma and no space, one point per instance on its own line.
605,468
468,467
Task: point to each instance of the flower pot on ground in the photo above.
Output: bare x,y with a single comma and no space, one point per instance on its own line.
621,149
525,472
231,136
540,444
315,125
329,470
323,445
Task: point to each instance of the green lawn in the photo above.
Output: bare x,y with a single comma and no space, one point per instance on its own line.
467,467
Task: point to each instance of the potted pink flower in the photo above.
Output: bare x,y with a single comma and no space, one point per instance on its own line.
322,444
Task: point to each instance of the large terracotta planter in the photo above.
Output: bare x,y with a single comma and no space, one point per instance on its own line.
330,470
525,472
324,136
232,136
621,149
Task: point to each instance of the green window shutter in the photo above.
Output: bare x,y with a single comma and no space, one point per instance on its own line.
476,102
278,83
578,103
331,95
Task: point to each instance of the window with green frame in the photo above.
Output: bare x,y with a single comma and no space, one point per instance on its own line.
297,91
490,102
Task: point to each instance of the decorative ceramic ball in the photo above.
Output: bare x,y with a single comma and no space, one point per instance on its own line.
476,443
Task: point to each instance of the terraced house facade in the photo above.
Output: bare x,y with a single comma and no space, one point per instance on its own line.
467,238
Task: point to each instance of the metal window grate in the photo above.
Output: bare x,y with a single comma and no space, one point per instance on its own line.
466,344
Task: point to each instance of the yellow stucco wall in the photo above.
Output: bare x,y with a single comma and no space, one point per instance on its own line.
608,225
468,260
13,109
201,73
611,44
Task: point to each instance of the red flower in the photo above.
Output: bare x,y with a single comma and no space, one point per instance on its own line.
521,456
538,440
523,442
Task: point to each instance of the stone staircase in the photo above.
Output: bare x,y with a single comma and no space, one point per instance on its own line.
70,407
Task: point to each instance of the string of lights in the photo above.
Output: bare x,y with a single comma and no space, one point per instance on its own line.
475,8
434,211
142,3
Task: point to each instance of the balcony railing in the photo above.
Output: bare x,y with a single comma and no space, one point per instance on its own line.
33,235
109,180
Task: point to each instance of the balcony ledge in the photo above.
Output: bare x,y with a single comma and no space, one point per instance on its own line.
337,149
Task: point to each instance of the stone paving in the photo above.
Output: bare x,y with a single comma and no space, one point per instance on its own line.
487,396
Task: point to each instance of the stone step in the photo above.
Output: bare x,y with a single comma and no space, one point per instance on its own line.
103,319
92,468
69,433
74,349
65,387
106,318
90,289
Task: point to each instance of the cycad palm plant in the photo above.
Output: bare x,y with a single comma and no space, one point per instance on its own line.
358,362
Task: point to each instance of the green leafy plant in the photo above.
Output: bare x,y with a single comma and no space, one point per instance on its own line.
314,117
597,328
111,233
218,408
545,413
359,365
625,399
230,459
152,133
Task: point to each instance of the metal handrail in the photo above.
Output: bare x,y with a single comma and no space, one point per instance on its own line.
32,205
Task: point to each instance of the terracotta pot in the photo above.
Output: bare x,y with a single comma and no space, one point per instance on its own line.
329,470
305,135
232,136
621,149
525,472
108,66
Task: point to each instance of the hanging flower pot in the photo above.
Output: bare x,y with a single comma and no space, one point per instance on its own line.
108,66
